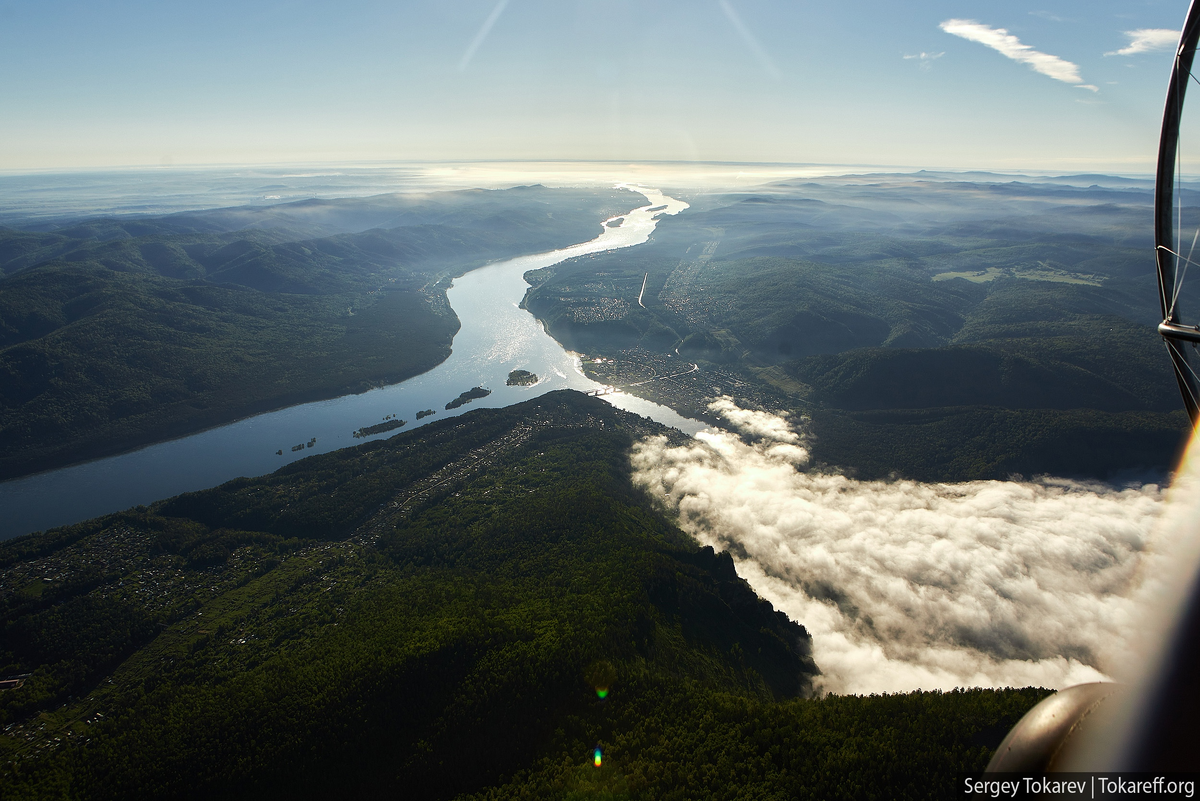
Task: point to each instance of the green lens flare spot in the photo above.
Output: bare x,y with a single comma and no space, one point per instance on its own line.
597,756
602,692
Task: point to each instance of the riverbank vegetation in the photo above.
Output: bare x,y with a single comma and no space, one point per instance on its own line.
116,333
425,615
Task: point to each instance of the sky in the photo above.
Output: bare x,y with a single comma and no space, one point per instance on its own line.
1071,86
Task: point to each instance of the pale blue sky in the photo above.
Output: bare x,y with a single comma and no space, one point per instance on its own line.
117,82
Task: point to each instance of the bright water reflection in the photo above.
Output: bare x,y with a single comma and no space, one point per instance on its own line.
496,337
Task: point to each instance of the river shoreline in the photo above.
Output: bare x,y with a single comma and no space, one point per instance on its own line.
184,430
494,337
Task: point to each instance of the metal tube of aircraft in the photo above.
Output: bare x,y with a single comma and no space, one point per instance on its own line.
1176,334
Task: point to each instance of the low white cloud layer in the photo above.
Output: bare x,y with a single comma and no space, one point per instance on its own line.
907,585
1148,40
1008,45
755,423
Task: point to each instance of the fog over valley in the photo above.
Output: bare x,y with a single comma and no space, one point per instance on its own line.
908,585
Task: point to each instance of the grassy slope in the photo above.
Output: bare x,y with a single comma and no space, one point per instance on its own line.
973,442
134,332
431,615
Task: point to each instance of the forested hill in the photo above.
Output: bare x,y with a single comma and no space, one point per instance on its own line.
937,330
118,332
470,608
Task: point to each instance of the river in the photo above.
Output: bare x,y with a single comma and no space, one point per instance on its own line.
497,336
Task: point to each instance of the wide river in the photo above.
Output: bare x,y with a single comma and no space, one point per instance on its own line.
497,336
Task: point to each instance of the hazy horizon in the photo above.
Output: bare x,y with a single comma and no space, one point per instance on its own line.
27,197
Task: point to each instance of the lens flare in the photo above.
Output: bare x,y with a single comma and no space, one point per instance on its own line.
600,676
596,756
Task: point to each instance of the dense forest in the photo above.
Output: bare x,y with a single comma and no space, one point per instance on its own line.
481,608
933,329
117,332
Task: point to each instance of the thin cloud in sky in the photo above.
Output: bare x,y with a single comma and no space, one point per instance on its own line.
1048,15
479,37
1008,45
1147,40
763,59
925,59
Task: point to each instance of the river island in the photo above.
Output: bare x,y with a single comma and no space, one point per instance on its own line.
468,396
521,378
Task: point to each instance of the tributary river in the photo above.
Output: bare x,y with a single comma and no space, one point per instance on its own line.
497,336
